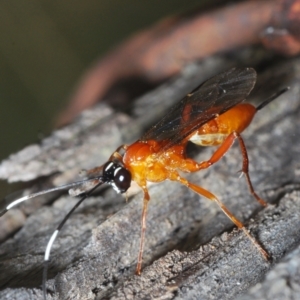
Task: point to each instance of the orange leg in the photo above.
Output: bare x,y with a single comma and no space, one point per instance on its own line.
245,169
143,231
201,191
116,154
220,152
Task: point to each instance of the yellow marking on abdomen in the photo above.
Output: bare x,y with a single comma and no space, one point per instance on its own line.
210,139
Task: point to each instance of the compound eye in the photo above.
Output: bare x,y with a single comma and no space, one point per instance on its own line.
109,169
122,179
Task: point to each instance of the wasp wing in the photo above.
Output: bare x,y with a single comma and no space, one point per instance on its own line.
214,97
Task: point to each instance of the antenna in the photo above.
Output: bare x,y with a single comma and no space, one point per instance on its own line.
55,233
11,201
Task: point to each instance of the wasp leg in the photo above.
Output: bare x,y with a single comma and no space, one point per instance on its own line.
143,231
117,155
220,152
245,169
205,193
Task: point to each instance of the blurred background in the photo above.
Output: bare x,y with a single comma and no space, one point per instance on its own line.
45,48
47,45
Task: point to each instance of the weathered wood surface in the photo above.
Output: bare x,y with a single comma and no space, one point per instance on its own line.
187,252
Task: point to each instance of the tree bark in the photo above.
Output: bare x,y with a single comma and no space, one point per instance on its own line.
192,249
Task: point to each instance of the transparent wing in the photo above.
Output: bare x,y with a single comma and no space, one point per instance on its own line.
213,97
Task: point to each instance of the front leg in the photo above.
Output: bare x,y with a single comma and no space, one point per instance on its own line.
98,170
143,230
117,155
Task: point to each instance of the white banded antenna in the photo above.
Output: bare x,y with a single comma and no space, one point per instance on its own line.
11,201
59,227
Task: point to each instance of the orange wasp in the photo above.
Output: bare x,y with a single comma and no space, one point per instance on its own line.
210,115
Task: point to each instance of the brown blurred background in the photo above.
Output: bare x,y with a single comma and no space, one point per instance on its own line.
45,46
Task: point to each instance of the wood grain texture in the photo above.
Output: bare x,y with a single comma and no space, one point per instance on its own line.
192,250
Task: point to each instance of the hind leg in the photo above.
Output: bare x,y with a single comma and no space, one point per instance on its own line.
192,166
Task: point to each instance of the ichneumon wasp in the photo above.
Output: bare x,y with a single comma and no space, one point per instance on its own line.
212,114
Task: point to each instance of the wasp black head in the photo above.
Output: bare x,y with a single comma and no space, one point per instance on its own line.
117,176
